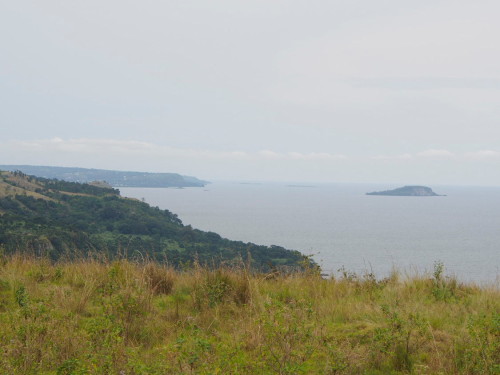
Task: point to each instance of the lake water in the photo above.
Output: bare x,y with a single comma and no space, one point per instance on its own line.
343,227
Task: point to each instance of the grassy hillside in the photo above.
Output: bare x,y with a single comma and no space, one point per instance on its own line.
65,219
89,317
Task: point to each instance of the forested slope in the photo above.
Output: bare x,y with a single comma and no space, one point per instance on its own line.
58,218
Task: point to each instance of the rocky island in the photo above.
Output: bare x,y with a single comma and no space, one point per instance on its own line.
408,191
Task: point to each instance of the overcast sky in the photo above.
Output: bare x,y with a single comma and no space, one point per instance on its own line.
341,91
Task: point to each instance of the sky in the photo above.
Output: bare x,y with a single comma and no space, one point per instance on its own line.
387,91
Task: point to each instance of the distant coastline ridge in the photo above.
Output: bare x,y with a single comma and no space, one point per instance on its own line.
110,177
408,191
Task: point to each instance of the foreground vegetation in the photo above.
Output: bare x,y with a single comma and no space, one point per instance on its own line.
121,317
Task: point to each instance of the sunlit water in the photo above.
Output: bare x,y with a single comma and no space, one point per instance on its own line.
343,227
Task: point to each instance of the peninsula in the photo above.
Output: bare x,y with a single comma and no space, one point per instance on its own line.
113,178
408,191
68,220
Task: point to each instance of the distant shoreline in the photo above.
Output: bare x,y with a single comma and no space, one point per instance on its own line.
113,178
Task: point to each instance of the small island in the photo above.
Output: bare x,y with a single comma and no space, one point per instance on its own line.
408,191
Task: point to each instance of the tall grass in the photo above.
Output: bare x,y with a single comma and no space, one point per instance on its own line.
121,317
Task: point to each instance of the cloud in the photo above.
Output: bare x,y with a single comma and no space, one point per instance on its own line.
83,145
267,154
131,148
427,154
316,156
114,147
483,155
478,156
124,148
427,83
436,154
312,156
394,157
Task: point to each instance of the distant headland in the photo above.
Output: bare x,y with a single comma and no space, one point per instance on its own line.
113,178
408,191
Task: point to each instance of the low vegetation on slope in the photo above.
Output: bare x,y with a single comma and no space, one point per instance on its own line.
66,219
121,317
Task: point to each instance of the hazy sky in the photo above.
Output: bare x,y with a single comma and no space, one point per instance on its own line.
343,91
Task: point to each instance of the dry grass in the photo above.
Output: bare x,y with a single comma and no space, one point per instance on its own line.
12,185
91,317
160,279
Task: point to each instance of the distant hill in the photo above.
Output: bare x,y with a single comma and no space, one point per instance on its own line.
114,178
408,191
67,219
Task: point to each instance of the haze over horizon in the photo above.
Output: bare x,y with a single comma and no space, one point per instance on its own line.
322,91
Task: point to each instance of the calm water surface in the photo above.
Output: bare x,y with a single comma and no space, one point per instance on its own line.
342,226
